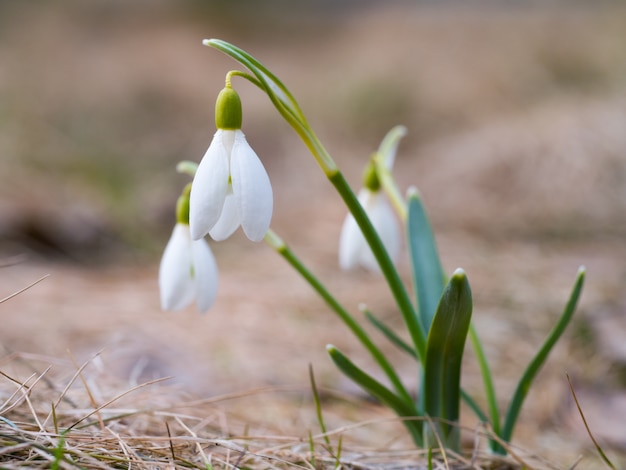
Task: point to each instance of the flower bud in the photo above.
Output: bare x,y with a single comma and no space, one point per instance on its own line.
228,115
370,177
182,206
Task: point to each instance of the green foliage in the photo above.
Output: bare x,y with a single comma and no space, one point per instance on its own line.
438,321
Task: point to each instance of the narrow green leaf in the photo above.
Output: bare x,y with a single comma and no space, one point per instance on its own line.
428,275
533,367
478,411
403,408
391,335
444,354
490,391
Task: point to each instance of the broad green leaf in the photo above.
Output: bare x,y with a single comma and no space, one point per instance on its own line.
428,275
404,346
444,354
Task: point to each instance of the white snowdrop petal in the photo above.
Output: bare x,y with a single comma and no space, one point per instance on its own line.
351,240
349,244
175,284
228,221
386,224
209,188
252,189
205,275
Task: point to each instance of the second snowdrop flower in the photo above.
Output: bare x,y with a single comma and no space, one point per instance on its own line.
231,187
353,248
188,270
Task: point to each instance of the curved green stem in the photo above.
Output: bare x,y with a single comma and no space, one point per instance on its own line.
288,107
273,240
282,99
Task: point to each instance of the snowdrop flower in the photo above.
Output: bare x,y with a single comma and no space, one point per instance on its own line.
231,187
353,248
188,270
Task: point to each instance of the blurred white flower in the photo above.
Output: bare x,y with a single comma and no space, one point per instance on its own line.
353,248
187,272
231,188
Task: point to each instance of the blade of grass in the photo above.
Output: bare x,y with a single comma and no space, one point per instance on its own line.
533,367
593,439
318,408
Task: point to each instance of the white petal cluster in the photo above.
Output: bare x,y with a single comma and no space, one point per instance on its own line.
188,272
353,248
230,188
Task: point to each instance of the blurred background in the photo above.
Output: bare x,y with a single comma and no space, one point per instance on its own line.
516,117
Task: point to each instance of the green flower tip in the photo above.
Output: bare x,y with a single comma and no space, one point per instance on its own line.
331,349
228,115
207,42
182,206
370,177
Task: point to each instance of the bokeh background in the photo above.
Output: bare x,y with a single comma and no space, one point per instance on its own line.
516,113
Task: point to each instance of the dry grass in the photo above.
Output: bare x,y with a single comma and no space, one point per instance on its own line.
90,424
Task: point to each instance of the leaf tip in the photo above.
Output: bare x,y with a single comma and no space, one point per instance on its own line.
413,193
459,273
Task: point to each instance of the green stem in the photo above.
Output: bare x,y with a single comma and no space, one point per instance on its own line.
273,240
388,183
282,100
384,261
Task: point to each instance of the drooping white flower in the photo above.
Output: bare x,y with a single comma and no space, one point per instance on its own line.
188,272
353,248
231,187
